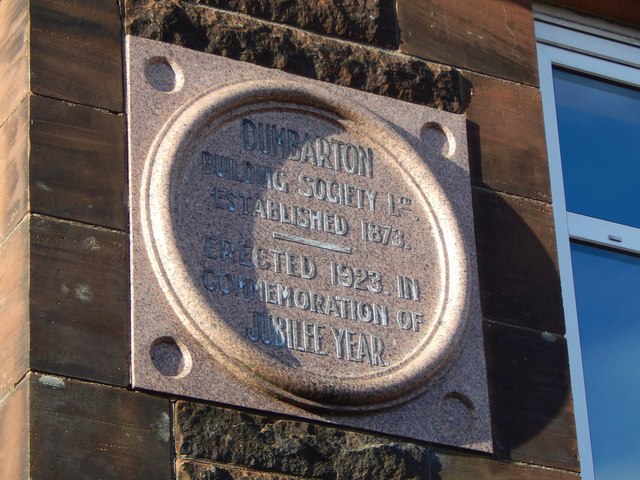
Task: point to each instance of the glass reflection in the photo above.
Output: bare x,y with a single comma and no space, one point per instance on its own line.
599,129
608,300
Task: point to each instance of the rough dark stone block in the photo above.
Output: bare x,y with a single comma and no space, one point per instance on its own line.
517,261
189,470
530,391
532,411
298,52
208,433
372,22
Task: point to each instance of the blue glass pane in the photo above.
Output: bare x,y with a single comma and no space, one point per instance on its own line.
607,286
599,129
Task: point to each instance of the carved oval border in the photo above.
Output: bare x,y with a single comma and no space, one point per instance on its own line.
395,384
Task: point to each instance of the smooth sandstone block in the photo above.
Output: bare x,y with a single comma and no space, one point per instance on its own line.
14,432
87,430
452,466
76,52
14,55
493,37
531,404
14,307
78,165
14,169
507,151
517,252
78,301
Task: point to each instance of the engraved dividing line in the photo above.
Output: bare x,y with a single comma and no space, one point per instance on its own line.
312,243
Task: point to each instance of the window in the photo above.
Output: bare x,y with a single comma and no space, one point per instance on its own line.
591,99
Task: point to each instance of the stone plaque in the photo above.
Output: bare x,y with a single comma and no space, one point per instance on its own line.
302,248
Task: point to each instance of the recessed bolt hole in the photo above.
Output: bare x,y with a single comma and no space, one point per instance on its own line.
164,74
170,358
458,411
436,134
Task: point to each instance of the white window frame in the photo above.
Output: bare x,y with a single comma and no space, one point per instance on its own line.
617,61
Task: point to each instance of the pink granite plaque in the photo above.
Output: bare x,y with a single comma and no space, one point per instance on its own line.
302,248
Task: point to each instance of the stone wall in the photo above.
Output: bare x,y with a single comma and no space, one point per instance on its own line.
66,406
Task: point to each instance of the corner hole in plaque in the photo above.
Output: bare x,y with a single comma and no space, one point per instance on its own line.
458,411
170,357
434,133
164,74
